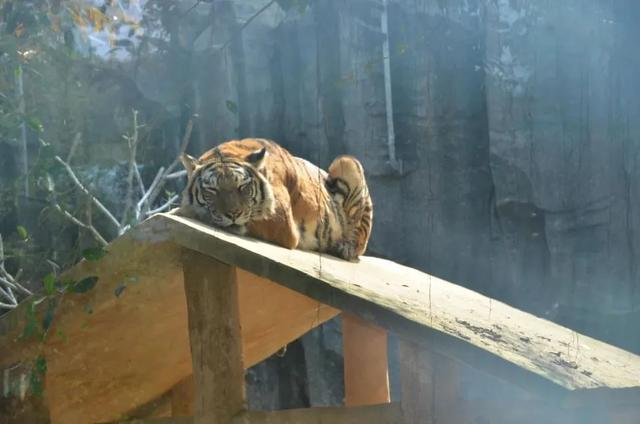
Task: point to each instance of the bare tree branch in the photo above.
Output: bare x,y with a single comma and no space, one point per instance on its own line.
176,175
164,207
96,235
141,207
247,22
95,201
186,138
74,146
132,141
9,283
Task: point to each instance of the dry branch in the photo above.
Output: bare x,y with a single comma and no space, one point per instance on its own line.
94,200
9,284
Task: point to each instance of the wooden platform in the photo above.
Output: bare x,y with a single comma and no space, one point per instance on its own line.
126,342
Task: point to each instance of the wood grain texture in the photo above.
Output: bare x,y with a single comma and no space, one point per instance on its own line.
213,306
133,348
183,398
376,414
366,364
451,320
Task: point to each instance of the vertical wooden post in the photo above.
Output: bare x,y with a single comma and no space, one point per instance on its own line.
366,368
182,398
214,330
429,384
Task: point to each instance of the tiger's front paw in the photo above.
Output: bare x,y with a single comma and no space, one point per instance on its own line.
345,249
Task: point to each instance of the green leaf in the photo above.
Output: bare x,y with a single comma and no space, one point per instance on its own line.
36,384
36,377
41,365
35,124
49,283
233,108
31,325
402,48
49,315
84,285
93,253
22,232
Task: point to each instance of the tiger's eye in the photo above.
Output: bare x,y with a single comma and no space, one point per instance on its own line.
245,189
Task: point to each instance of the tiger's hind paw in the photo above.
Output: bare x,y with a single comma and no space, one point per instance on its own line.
345,249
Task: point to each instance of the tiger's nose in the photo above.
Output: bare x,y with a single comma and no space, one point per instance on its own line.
234,215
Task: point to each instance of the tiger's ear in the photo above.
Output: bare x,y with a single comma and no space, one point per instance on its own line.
189,163
257,158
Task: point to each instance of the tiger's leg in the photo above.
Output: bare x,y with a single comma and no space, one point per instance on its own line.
347,185
281,228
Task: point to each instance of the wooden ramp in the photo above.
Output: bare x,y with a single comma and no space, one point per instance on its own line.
164,309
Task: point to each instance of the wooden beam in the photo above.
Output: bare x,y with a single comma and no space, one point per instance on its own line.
429,386
377,414
166,420
452,320
366,370
183,398
214,331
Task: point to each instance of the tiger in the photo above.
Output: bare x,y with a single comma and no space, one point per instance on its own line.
257,188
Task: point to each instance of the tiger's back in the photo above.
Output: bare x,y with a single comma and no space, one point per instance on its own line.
303,212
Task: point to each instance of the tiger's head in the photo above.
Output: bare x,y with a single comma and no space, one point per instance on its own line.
228,192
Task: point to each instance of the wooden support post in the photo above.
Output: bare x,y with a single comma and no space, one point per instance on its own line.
429,385
214,330
366,368
182,398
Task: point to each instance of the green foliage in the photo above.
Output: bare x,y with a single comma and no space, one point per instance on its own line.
93,253
31,322
84,285
36,378
22,232
49,284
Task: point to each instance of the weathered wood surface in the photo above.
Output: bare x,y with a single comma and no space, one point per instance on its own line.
376,414
448,318
182,398
213,304
117,353
366,369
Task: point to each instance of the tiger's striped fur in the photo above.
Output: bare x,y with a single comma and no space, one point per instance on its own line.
348,187
256,187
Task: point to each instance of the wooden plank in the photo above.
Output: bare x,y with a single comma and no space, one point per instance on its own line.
378,414
166,420
366,365
214,332
182,398
111,358
454,321
429,386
